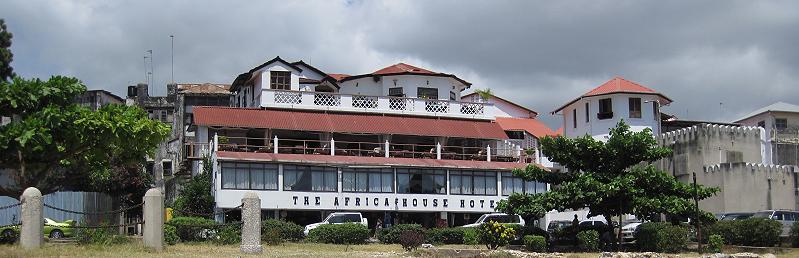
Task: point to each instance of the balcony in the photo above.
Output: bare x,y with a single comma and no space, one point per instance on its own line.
376,104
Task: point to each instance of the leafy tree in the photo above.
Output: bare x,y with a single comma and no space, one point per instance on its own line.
196,194
5,54
609,178
52,142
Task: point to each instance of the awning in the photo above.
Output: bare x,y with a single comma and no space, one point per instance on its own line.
346,123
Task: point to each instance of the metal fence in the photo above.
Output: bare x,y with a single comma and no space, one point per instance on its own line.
86,202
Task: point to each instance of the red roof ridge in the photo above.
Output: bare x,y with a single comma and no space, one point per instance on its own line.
618,85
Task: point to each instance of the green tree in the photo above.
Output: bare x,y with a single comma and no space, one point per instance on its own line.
196,194
609,178
52,142
6,56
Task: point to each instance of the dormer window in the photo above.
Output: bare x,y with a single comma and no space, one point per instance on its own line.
280,80
635,107
605,109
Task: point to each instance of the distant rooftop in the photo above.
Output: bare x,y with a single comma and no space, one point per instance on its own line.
776,107
204,88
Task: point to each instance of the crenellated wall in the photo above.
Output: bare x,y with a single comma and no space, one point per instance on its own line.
735,159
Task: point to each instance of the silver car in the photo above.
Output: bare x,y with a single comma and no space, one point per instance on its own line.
785,217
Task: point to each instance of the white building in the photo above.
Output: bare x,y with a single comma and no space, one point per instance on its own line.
781,123
597,111
397,142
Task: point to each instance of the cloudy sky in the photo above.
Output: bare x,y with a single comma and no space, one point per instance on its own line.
744,54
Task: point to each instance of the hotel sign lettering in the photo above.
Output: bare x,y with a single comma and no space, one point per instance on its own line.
392,202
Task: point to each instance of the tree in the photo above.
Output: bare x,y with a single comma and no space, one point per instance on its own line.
52,142
196,194
6,71
609,178
484,94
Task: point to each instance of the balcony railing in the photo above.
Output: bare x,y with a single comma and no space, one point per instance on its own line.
376,104
500,152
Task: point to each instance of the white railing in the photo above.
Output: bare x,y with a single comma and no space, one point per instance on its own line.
376,104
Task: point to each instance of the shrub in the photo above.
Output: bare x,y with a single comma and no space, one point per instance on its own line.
444,236
228,235
99,236
170,235
471,236
391,235
286,231
759,231
411,239
348,233
727,229
190,229
535,243
194,196
589,239
272,236
661,237
494,235
795,234
715,243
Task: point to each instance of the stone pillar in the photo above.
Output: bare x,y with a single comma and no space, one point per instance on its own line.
32,232
154,219
251,227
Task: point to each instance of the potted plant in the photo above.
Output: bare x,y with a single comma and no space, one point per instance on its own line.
485,94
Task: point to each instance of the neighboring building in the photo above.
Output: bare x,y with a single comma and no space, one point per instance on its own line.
505,107
395,142
600,109
781,123
159,108
188,97
94,99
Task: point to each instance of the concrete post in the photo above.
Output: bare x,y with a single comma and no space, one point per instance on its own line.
251,227
332,147
154,219
32,232
386,146
274,145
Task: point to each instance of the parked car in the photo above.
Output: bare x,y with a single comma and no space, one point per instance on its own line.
339,218
52,229
628,231
736,215
498,217
785,217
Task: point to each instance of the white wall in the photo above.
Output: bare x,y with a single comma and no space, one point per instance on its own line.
600,129
504,109
409,84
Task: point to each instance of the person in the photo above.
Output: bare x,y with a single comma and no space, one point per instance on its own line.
378,226
574,229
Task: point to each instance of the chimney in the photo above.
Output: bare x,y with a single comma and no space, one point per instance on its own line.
141,93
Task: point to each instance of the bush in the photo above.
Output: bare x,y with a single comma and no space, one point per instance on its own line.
228,235
494,235
411,239
444,236
715,243
589,240
535,243
727,229
286,231
99,236
391,235
194,196
661,237
170,235
348,233
759,231
471,236
795,234
190,229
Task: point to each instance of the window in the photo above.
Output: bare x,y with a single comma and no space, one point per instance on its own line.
781,123
344,218
574,118
310,178
451,95
167,168
761,124
396,92
656,109
280,80
516,135
369,180
586,112
249,176
427,93
512,184
635,107
423,181
605,109
472,182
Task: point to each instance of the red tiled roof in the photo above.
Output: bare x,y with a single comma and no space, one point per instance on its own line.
338,76
346,123
559,132
532,126
619,85
402,68
378,161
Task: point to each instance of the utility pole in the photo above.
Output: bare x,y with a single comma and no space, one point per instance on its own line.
696,217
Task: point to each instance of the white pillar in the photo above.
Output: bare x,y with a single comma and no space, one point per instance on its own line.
332,147
32,231
488,153
251,227
438,150
153,236
216,142
519,153
386,146
274,145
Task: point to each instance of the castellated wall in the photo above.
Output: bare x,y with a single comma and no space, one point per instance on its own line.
735,159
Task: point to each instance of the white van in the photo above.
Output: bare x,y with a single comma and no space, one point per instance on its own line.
339,218
498,217
785,217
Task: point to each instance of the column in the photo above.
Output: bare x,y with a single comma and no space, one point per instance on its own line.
251,227
32,231
153,219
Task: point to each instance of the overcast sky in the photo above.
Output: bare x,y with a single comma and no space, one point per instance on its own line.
744,54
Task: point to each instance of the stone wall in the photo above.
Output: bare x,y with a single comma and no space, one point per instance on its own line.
748,187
